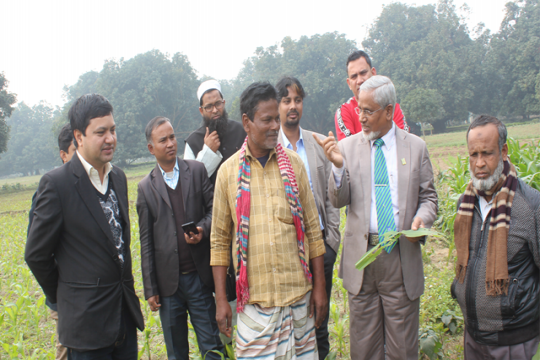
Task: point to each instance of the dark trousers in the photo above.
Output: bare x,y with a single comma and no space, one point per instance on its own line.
323,344
124,348
195,297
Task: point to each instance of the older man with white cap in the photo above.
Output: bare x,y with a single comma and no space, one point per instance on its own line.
218,138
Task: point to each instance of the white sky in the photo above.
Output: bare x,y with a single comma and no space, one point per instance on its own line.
49,44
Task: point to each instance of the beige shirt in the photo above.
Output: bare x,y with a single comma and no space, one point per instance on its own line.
93,174
275,275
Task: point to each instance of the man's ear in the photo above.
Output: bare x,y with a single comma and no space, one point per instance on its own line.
374,71
389,112
245,122
63,156
151,148
78,135
504,152
200,110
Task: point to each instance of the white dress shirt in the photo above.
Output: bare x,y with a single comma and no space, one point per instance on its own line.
485,206
93,174
301,151
171,177
209,158
389,150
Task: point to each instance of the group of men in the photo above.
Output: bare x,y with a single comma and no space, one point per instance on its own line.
244,230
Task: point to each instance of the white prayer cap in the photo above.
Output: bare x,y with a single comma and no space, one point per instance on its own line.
208,85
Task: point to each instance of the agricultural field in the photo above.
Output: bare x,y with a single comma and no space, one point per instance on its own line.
27,332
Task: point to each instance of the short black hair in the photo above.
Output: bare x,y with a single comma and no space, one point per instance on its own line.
286,82
355,55
253,94
65,138
86,108
482,120
207,91
152,124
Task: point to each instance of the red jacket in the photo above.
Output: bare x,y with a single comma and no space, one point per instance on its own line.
347,122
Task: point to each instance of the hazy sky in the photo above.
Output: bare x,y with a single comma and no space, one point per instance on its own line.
48,44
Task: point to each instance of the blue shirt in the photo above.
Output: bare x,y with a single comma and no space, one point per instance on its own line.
171,181
301,151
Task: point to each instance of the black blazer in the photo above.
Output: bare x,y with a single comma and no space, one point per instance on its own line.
159,250
86,281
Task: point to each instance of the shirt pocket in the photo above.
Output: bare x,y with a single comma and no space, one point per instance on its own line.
281,207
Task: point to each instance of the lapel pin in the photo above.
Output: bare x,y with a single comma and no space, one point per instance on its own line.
403,162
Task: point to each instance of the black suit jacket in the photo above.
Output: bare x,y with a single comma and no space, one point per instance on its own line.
87,280
159,250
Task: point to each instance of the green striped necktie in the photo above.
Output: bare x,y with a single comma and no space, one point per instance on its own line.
383,198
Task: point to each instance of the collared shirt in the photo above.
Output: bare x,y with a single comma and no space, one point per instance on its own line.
171,178
275,275
93,174
390,153
485,206
301,151
209,158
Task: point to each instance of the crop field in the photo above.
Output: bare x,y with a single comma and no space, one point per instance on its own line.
28,332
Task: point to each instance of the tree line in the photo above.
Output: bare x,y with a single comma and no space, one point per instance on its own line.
443,71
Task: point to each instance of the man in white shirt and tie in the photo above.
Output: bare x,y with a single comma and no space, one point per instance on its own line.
385,175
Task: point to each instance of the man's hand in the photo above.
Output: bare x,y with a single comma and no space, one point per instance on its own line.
224,317
318,303
192,238
212,140
331,149
417,224
153,302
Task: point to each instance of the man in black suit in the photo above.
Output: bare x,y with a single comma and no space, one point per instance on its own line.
176,265
78,246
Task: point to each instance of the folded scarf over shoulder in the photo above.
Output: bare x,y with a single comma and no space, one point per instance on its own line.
497,246
243,201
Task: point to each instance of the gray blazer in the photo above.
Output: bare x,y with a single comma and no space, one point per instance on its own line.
320,170
417,197
157,227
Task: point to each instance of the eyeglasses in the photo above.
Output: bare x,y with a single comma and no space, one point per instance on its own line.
217,104
366,112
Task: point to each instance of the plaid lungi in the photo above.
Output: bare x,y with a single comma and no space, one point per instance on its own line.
277,332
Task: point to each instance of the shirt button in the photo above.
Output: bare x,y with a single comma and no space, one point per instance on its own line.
267,195
175,233
271,244
274,269
172,214
365,236
264,172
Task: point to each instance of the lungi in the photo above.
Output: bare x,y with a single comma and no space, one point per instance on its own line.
277,332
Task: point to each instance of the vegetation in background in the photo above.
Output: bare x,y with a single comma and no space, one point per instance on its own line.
6,100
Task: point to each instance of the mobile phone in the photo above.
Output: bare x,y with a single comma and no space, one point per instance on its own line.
190,227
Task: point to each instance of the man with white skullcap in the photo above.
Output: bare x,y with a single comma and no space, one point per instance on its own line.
218,137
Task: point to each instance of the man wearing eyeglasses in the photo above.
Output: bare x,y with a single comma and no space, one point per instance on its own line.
385,175
359,69
218,138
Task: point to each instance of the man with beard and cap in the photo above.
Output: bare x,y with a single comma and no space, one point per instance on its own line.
291,104
497,237
218,138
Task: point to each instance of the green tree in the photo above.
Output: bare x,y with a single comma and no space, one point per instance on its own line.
317,61
32,146
426,47
424,105
517,57
6,100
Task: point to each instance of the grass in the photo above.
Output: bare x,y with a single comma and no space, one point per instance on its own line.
26,331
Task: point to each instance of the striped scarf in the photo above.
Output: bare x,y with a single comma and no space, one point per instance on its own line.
243,198
497,246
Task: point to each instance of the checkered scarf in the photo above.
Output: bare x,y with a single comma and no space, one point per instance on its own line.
242,217
497,250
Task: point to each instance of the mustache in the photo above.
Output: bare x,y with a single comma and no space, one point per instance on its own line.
272,133
292,112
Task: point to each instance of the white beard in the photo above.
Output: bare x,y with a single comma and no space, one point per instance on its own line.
489,183
374,135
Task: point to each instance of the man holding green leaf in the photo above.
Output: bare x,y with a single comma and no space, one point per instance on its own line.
385,175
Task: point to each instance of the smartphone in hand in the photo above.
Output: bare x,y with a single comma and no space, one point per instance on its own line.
190,227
